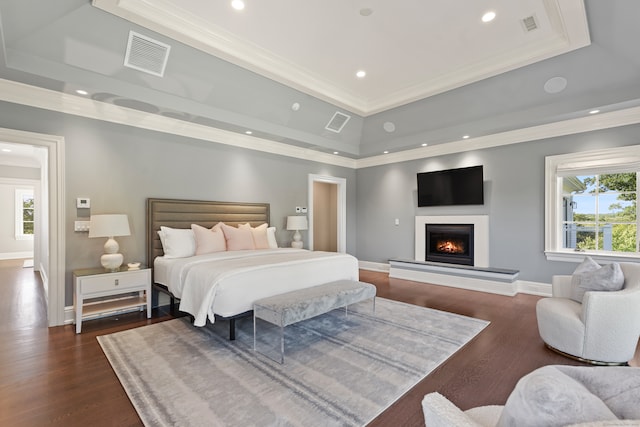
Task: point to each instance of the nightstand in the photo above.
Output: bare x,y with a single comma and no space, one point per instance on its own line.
100,293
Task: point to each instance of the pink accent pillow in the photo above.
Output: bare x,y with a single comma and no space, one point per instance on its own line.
259,234
238,239
209,240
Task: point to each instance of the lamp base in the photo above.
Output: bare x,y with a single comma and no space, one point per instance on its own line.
111,262
297,245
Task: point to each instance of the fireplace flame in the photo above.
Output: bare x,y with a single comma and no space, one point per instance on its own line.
451,246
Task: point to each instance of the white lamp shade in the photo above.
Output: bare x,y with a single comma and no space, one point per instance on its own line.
297,223
109,225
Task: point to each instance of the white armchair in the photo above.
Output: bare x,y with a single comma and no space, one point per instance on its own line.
604,329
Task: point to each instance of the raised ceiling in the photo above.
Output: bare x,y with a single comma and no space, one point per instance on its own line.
409,49
282,69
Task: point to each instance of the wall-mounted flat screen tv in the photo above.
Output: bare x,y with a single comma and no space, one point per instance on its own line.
463,186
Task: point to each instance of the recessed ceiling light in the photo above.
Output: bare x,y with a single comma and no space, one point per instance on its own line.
335,152
385,152
295,106
465,137
594,111
489,16
360,74
248,132
6,150
425,144
365,11
82,92
237,4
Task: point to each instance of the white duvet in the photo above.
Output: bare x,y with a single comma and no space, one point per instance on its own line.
228,283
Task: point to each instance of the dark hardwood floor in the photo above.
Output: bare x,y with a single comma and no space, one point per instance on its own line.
53,377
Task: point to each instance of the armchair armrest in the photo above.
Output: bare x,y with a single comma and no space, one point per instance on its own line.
440,412
561,286
612,323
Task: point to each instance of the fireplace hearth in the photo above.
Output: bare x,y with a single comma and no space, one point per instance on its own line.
449,243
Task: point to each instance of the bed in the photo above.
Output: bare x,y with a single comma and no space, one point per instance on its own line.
223,285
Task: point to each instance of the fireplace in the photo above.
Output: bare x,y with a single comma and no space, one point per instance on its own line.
449,243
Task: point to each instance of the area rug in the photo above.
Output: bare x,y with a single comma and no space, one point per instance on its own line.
338,370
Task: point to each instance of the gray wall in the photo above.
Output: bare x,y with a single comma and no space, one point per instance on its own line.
514,201
119,167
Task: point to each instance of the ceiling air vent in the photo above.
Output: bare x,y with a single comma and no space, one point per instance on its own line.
529,23
337,122
146,54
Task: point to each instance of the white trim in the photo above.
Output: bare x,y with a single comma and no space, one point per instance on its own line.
341,208
469,283
19,212
373,266
20,93
569,31
553,207
16,255
55,273
473,284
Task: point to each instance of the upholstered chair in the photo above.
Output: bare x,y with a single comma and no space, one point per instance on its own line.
603,329
556,395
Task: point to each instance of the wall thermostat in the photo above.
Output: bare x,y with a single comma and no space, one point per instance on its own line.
83,202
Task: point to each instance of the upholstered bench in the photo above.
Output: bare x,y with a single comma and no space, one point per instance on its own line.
302,304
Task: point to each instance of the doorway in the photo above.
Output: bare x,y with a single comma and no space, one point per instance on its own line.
327,213
49,239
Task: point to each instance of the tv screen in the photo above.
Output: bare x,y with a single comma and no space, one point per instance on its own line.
463,186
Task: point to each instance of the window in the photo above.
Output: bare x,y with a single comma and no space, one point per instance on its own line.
25,211
591,201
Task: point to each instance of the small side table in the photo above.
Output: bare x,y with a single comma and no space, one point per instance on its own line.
93,286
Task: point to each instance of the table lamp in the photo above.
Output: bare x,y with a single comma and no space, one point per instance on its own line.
297,223
110,226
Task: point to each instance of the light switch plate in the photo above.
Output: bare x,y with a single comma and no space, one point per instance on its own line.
81,226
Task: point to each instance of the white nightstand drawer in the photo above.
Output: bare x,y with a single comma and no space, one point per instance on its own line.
99,293
113,282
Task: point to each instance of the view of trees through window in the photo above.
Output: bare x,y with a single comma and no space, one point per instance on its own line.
27,213
600,212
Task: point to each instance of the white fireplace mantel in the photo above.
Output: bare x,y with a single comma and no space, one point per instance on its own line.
480,235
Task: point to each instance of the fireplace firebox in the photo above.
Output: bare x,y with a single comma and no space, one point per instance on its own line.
449,243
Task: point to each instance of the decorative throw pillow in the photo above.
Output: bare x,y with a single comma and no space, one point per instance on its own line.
606,278
271,237
548,397
209,240
259,233
177,242
586,266
238,239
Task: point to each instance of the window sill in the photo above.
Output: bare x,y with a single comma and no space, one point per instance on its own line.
25,237
577,257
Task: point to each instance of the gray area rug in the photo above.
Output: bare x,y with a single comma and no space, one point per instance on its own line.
338,371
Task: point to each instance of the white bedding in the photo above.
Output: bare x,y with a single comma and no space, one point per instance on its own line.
228,283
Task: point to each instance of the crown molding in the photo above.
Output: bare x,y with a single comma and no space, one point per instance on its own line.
590,123
32,96
568,25
19,93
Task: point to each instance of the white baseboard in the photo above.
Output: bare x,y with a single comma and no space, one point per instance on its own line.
374,266
16,255
472,283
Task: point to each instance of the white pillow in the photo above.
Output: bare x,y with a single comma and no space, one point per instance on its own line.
271,238
590,276
177,242
209,240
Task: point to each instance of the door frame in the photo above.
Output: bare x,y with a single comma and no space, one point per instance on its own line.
54,275
341,208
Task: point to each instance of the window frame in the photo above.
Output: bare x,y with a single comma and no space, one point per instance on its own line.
601,161
19,211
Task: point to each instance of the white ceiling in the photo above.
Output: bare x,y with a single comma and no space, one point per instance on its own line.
316,46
